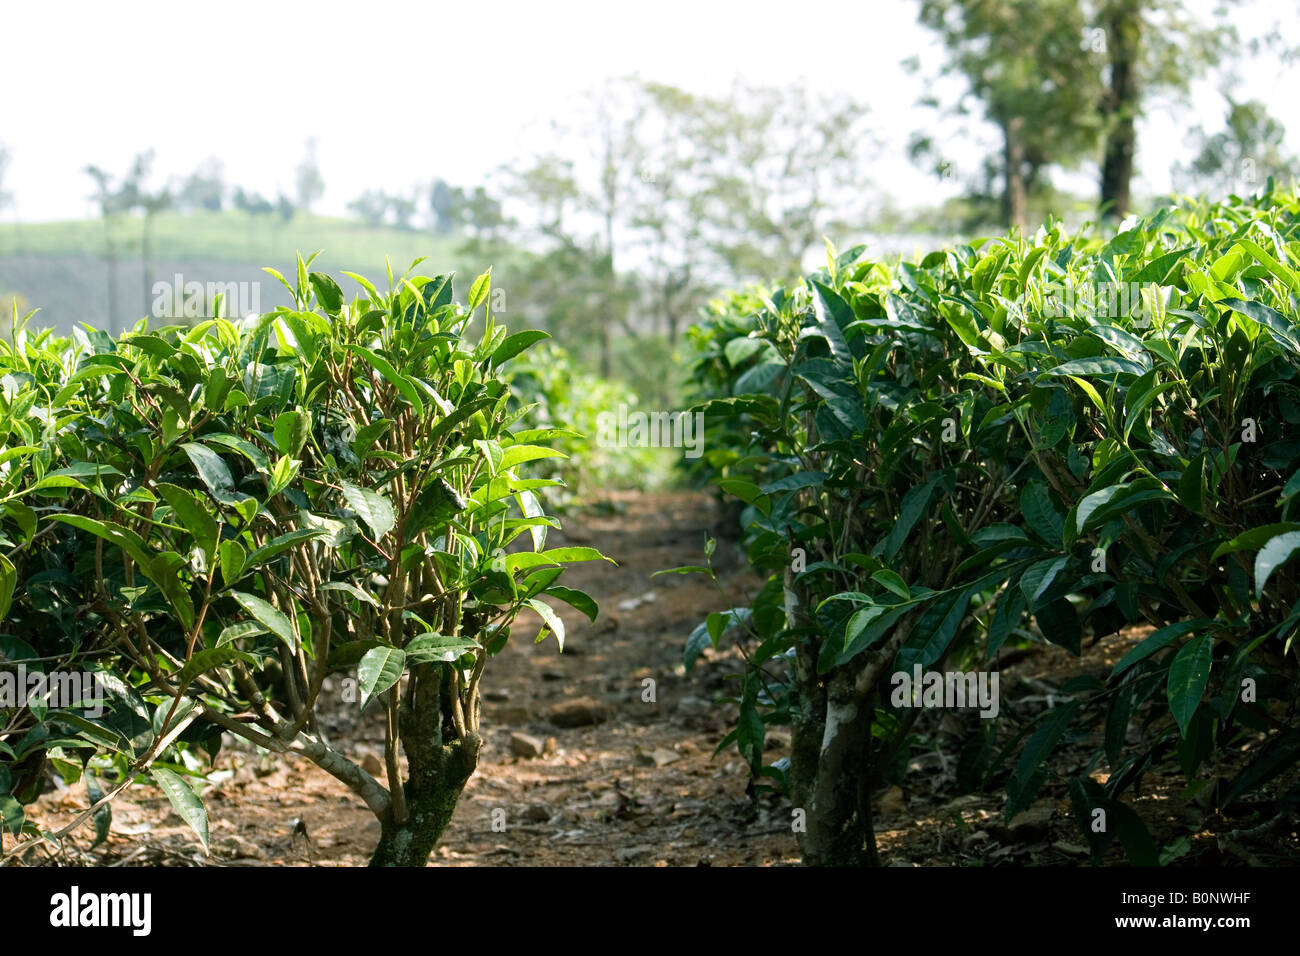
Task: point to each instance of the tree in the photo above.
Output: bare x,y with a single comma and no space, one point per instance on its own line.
1245,153
371,206
568,287
1027,63
480,213
6,196
780,168
113,201
135,195
205,188
1151,47
253,203
308,180
402,210
444,205
226,564
669,207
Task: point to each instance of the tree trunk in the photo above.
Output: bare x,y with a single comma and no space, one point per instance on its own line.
146,261
1014,200
1123,37
670,319
611,295
839,825
110,261
431,799
436,770
830,772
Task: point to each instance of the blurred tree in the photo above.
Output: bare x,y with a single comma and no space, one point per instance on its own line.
205,188
1241,156
669,207
371,206
308,180
779,168
479,213
150,204
377,207
402,209
253,203
1150,48
114,200
582,219
569,288
6,196
444,205
617,111
1028,62
664,195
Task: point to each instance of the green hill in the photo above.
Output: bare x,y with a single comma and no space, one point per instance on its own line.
60,266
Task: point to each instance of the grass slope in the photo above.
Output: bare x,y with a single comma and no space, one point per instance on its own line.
60,267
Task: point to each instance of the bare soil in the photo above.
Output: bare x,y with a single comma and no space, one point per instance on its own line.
640,785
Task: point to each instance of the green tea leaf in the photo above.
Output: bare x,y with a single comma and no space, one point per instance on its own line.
187,804
380,668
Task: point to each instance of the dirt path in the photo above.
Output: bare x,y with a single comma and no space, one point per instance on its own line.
634,783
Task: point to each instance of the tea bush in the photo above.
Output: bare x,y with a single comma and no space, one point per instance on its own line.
218,519
1025,439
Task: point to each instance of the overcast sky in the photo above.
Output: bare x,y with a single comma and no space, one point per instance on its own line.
456,90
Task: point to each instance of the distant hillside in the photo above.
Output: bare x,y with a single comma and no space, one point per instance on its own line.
60,267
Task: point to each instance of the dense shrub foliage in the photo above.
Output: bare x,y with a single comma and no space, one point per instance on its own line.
1025,439
217,519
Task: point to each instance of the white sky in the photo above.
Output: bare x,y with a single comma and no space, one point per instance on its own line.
456,89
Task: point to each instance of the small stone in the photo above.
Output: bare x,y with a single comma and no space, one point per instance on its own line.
631,604
526,746
372,765
628,854
1030,824
552,676
579,712
550,747
537,813
659,757
510,716
496,695
662,756
1070,849
239,848
693,707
